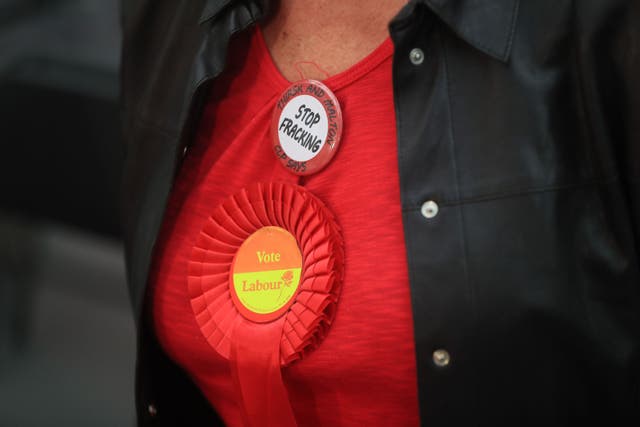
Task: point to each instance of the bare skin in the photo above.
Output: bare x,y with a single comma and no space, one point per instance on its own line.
321,38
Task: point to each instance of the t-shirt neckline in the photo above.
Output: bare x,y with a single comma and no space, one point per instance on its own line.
334,82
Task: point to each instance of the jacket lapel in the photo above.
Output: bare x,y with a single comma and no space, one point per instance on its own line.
157,144
487,25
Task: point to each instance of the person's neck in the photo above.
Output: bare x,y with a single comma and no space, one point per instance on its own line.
324,37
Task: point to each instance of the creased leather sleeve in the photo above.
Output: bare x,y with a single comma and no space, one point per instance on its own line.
628,55
131,12
625,54
608,35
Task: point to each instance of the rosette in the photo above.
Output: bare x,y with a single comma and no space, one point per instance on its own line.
258,344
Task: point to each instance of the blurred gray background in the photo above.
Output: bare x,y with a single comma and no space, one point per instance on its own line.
66,332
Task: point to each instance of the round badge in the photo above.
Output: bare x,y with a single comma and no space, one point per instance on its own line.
306,127
265,274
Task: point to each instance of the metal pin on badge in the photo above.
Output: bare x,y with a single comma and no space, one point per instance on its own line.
306,127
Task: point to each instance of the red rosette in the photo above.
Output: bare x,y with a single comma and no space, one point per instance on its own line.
317,233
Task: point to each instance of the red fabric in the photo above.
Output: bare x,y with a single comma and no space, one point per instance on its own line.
363,372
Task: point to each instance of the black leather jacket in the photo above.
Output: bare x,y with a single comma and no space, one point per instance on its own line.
522,125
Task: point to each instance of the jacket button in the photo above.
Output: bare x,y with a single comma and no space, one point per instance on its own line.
184,150
416,56
441,357
429,209
152,410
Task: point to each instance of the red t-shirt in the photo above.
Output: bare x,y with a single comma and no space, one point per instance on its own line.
363,373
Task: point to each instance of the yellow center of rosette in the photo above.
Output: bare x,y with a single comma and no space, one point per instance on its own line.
265,274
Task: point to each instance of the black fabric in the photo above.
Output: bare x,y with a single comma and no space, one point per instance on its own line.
522,125
165,396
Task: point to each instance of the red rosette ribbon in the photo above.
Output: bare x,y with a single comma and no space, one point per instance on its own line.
257,350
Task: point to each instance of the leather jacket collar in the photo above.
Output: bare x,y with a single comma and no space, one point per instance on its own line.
488,29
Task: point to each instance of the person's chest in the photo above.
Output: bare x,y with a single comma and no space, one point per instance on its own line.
369,346
320,39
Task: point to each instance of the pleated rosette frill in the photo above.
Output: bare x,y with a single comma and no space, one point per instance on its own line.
316,231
